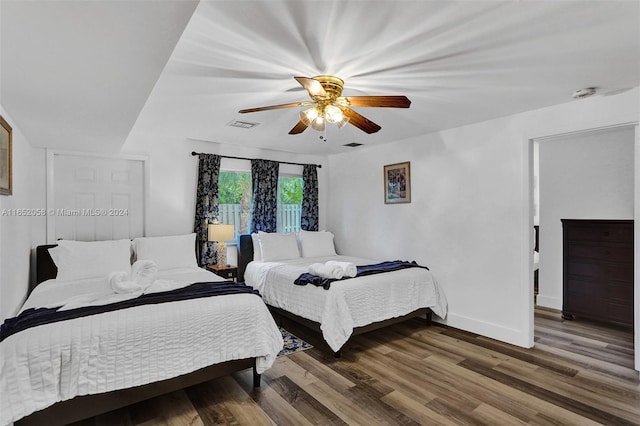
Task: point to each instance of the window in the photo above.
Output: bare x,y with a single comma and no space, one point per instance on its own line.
235,197
289,203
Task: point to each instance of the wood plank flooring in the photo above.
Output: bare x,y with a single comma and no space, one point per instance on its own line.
578,373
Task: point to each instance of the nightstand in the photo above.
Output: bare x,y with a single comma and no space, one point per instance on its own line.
229,272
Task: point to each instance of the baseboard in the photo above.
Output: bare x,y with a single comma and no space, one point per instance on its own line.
549,302
495,331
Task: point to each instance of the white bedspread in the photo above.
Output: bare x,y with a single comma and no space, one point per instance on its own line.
130,347
348,303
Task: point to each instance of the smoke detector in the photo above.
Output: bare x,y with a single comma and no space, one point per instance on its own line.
584,93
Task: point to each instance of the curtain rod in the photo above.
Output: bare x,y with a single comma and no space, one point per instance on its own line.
245,158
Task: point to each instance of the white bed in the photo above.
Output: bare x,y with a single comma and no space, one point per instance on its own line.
347,304
130,347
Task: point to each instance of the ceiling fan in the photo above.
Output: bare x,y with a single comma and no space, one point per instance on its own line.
328,105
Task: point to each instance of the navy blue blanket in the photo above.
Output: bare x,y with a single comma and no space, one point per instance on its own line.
33,317
376,268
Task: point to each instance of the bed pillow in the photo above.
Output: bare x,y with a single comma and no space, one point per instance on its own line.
177,251
257,253
317,244
278,246
77,260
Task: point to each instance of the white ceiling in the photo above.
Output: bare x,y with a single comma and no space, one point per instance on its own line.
84,75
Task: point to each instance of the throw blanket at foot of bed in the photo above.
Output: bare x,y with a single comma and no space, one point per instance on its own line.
40,316
376,268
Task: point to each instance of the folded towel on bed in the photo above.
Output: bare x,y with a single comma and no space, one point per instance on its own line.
121,282
349,268
325,270
144,272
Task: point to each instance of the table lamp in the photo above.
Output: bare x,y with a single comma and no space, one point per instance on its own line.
220,232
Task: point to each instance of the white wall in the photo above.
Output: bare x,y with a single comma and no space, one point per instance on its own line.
173,178
470,217
18,234
582,176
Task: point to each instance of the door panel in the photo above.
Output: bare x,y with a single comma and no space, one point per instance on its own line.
96,198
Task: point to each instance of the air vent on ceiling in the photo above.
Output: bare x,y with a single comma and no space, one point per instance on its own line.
242,124
584,93
352,144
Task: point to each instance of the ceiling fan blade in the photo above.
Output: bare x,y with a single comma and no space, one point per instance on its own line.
376,101
312,86
298,128
266,108
359,121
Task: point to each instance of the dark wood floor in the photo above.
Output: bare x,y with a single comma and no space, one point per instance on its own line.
578,373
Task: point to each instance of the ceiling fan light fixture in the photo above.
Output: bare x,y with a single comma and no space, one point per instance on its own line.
342,122
333,114
309,115
318,123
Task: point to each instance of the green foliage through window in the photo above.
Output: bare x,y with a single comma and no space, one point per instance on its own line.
234,187
290,189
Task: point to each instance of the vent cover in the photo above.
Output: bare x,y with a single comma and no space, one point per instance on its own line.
242,124
352,144
584,93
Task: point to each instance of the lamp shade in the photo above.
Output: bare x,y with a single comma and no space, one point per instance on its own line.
221,232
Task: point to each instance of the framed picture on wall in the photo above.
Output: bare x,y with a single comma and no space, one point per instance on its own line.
5,157
397,183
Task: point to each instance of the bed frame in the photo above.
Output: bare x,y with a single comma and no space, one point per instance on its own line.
82,407
245,255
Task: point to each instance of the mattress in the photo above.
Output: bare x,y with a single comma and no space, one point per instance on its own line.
129,347
349,303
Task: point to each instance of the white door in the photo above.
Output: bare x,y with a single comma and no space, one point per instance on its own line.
95,198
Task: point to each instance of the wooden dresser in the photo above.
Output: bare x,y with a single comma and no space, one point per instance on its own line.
598,270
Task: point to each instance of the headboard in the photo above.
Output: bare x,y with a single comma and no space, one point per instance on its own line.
245,254
45,268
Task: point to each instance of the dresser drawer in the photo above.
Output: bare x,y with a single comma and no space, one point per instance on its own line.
600,290
622,233
599,307
600,252
621,271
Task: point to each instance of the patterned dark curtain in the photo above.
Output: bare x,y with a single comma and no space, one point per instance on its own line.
207,205
309,215
264,177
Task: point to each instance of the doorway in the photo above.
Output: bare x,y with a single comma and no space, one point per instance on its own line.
584,175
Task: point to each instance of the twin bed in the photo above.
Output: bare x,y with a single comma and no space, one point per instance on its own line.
64,371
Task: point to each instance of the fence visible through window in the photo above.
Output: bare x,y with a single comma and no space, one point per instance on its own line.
289,217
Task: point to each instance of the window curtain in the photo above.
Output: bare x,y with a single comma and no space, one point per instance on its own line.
207,205
309,214
264,177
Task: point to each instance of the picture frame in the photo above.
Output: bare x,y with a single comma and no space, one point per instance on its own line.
397,183
6,160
